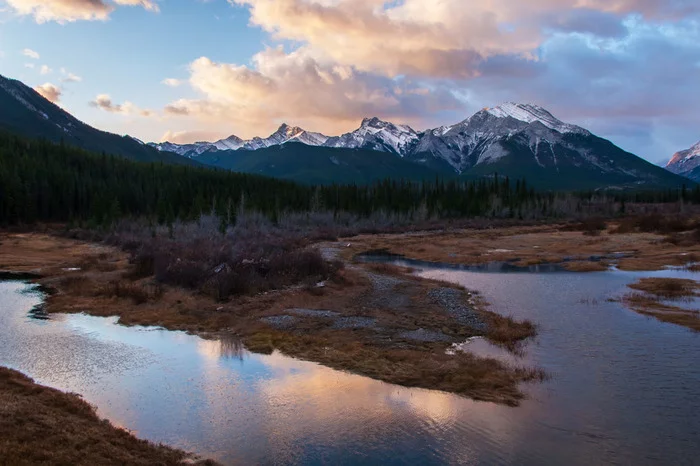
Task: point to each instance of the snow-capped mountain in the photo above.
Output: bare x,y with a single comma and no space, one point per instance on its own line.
519,140
685,161
481,138
284,134
232,142
185,150
375,134
468,143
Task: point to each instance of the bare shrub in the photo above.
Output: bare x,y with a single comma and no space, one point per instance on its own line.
655,223
253,256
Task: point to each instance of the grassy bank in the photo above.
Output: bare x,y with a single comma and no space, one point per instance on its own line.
640,242
40,425
663,299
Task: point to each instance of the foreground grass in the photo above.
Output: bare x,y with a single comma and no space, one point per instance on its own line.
41,425
663,298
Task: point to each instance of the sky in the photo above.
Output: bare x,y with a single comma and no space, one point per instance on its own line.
188,70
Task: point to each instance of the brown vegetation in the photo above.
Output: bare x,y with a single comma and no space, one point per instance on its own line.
670,288
655,294
378,311
40,425
636,243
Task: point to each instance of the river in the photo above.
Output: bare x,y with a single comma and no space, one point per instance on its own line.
624,388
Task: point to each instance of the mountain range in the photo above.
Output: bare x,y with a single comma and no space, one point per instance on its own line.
516,140
519,140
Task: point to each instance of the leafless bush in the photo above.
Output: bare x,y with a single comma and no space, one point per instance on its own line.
253,256
656,223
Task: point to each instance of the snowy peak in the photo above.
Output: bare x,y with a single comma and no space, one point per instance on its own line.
685,160
232,142
377,134
374,124
284,134
476,140
528,113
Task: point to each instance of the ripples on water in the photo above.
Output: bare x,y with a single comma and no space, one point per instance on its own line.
625,388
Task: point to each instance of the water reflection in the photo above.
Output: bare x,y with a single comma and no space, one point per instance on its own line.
487,267
224,346
625,388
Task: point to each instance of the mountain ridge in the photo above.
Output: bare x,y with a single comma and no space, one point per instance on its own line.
26,112
516,140
523,140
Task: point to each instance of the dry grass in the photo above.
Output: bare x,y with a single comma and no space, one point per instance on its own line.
376,351
587,266
653,291
564,244
509,333
670,288
426,366
40,425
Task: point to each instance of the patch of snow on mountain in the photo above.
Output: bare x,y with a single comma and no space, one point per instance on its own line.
16,92
531,113
492,154
232,142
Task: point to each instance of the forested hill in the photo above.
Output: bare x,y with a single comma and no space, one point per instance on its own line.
43,181
23,111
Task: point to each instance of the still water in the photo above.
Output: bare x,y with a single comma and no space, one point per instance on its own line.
625,389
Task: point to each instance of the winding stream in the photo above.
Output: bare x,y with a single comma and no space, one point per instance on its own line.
625,388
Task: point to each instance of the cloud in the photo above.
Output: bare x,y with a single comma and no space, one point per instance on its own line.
640,90
188,137
45,69
31,54
443,39
104,102
69,77
172,82
29,65
63,11
49,92
298,88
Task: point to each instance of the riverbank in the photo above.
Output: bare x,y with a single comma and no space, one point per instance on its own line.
579,248
41,425
666,299
377,321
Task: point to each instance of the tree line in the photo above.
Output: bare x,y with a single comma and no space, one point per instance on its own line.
45,182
